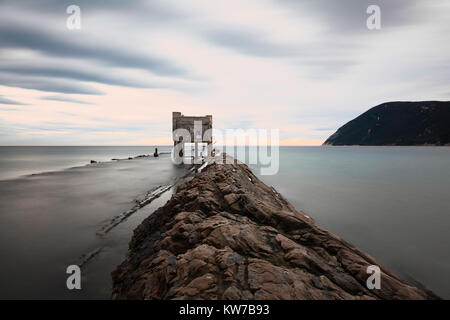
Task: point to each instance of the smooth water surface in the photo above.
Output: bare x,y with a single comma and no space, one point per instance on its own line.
391,202
49,220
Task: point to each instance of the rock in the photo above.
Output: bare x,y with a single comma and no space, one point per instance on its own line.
226,235
93,161
397,123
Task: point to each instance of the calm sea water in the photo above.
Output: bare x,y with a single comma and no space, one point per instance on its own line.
49,220
392,202
19,161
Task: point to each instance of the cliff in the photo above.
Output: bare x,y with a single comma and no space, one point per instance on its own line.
226,235
397,123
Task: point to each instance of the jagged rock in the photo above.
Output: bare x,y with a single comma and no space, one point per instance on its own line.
226,235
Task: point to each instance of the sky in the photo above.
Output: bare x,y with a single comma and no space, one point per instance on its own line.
305,67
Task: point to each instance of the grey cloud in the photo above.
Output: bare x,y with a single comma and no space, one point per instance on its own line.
249,43
19,36
10,102
341,17
152,10
81,49
325,61
64,99
350,16
46,84
76,73
324,68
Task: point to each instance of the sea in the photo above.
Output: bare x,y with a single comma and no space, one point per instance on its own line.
391,202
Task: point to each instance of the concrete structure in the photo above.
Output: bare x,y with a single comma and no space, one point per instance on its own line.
199,129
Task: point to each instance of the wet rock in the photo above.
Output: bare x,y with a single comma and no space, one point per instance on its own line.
226,235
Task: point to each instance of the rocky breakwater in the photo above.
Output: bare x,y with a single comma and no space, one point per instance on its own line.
226,235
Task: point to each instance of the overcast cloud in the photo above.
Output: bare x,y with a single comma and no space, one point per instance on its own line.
303,66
